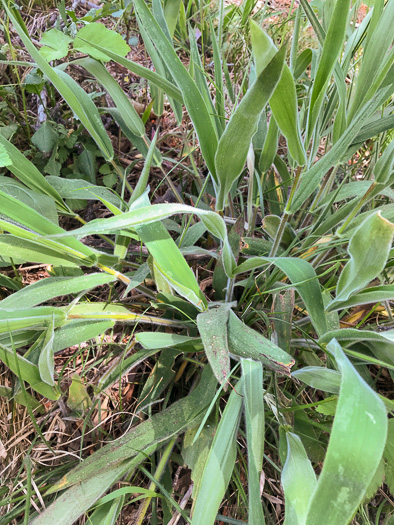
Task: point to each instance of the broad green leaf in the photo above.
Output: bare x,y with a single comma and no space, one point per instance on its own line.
78,331
219,464
122,102
46,361
324,379
252,391
99,34
195,453
27,371
156,212
168,259
348,335
115,312
212,326
171,13
44,204
30,251
45,137
332,46
355,448
249,344
28,317
375,294
368,249
192,98
28,224
81,189
55,45
298,481
303,277
283,101
234,144
73,94
180,416
5,159
154,340
27,173
69,506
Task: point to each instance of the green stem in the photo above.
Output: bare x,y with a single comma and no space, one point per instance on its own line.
159,471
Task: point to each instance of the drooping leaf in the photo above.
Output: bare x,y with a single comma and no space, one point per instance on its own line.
245,342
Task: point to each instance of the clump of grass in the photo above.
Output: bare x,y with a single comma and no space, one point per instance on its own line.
224,356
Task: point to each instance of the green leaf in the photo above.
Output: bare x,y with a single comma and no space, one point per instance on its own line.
55,45
180,416
337,154
252,391
375,294
81,189
324,379
168,87
5,159
192,97
51,287
383,169
297,467
249,344
30,317
283,101
78,331
121,100
195,453
212,326
98,34
219,464
234,144
303,277
46,361
26,172
368,249
332,46
27,371
73,94
355,448
44,204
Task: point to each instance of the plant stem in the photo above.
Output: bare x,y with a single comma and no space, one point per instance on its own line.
159,471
